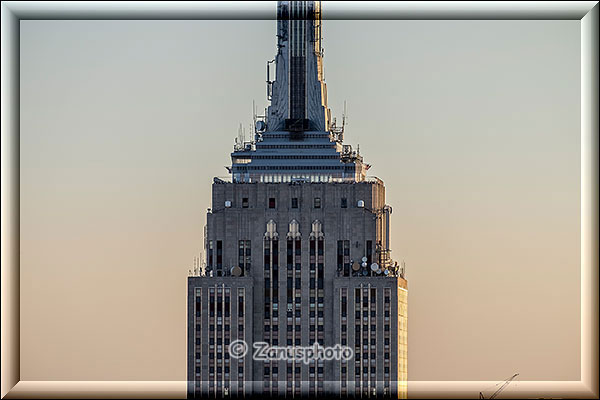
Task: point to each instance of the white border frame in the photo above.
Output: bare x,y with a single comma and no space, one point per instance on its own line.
13,12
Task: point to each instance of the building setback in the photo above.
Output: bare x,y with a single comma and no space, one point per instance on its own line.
297,249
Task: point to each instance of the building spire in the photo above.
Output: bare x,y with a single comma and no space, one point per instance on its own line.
298,93
295,141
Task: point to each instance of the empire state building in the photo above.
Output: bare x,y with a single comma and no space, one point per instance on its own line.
297,250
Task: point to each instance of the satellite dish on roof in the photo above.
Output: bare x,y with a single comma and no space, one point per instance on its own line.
260,126
355,266
374,267
236,271
378,271
364,259
364,272
386,272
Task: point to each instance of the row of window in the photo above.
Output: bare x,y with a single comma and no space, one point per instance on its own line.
219,333
198,340
271,284
295,146
245,255
368,304
386,336
219,337
316,283
343,331
295,202
287,135
328,177
291,369
286,157
292,167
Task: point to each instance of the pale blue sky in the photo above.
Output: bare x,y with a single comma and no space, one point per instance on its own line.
473,126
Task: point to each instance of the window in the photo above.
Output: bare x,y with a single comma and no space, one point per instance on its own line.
271,202
244,255
210,253
244,202
294,202
219,257
344,202
317,202
240,305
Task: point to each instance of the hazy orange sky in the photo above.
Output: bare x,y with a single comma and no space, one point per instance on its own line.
474,126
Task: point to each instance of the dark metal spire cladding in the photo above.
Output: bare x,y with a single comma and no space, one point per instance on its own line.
299,99
296,138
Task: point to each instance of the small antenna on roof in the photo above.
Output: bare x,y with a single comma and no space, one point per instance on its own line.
240,134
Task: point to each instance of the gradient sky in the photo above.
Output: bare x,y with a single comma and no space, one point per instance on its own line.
474,126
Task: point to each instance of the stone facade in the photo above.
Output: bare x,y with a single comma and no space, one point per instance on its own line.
249,215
